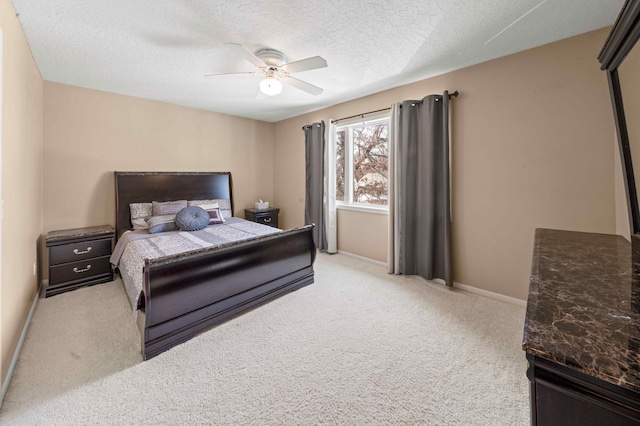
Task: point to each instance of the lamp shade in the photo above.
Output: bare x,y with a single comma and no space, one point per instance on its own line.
270,86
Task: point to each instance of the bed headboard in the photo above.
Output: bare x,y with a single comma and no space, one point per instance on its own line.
145,187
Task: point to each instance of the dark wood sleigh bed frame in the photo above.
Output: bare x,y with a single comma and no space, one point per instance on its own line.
188,293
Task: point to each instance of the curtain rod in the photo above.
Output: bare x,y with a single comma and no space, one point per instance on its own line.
360,115
308,126
383,109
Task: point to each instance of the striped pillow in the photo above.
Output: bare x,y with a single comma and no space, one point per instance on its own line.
162,223
168,207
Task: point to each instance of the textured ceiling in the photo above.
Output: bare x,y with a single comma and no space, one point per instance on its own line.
160,49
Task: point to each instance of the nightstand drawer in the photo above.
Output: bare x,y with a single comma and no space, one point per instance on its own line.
268,219
79,257
80,271
79,251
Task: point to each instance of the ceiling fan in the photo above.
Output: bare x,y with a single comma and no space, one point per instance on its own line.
276,71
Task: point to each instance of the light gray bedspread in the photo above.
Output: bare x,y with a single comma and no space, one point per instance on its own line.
134,247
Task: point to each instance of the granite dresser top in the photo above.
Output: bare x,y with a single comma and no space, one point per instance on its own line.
583,310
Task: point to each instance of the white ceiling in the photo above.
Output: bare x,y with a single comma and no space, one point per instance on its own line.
160,49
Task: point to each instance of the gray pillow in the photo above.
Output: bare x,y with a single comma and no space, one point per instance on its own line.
162,223
192,218
168,207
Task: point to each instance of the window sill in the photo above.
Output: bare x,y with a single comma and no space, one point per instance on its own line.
363,209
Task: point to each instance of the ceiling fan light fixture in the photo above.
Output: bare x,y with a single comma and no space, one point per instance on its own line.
271,86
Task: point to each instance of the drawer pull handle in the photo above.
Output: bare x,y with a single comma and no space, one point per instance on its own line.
76,251
79,271
266,220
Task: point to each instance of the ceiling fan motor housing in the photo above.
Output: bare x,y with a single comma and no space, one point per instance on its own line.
271,57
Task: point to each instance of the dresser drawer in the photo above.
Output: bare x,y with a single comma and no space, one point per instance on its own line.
79,271
79,251
268,219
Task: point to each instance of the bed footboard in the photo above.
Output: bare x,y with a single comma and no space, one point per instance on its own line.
187,294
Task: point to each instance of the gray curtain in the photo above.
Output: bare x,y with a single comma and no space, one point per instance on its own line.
314,188
423,188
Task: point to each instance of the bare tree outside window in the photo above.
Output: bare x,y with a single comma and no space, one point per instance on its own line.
362,154
370,164
340,142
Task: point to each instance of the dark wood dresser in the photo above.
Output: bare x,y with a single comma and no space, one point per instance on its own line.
79,257
266,216
582,330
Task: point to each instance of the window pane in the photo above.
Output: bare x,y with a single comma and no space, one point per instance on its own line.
340,141
370,164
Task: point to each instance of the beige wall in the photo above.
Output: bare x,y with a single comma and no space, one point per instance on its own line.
531,147
371,230
21,180
89,134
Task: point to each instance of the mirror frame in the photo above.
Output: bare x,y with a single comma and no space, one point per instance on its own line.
623,37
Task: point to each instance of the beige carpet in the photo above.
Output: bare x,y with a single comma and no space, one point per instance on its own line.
356,347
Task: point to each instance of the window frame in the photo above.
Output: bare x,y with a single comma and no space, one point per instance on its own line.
347,126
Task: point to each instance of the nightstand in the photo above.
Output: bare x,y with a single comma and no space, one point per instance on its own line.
266,216
79,257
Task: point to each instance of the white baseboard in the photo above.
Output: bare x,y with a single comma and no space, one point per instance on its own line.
491,294
364,259
465,287
14,360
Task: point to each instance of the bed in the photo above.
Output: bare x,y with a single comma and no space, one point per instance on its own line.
184,294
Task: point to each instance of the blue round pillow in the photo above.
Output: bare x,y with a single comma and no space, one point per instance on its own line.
192,218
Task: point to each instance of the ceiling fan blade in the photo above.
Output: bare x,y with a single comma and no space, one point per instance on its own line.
304,65
301,85
246,54
231,75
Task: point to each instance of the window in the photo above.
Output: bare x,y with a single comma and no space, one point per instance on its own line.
362,154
